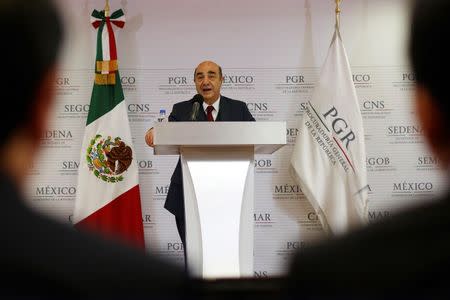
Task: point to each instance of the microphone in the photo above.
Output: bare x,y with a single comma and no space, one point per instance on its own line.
198,99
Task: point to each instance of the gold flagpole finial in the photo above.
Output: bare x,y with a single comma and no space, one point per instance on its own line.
338,12
107,8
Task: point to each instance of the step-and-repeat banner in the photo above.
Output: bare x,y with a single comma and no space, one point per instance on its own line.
271,53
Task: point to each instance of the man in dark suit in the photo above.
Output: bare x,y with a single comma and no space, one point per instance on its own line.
408,255
40,257
208,80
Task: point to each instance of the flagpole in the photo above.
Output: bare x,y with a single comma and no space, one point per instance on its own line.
338,13
107,9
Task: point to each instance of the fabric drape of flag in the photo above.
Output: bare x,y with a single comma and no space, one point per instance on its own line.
328,160
108,195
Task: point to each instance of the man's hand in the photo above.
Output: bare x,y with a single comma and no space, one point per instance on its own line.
149,137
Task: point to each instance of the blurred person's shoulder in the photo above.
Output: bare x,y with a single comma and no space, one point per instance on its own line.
41,256
408,252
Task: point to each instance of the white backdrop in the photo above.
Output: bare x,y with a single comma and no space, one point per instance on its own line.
271,52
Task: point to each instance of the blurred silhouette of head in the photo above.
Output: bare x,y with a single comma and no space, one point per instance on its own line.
31,32
429,47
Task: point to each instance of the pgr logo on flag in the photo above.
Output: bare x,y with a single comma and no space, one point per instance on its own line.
335,150
328,160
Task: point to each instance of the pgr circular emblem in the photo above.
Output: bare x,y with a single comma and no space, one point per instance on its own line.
108,158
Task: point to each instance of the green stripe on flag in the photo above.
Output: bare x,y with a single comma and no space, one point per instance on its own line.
104,98
99,56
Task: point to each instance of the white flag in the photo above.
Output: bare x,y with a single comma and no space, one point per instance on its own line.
328,160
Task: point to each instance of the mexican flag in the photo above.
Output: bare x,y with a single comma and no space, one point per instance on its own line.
108,196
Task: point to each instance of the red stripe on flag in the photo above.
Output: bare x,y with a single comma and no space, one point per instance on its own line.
119,24
343,152
96,24
112,41
120,219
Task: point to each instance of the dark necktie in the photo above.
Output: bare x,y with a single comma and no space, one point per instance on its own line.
209,115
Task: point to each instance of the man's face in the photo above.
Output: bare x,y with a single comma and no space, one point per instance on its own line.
208,81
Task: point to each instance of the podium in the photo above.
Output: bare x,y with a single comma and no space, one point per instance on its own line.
217,160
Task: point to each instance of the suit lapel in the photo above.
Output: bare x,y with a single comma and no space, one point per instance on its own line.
201,116
224,111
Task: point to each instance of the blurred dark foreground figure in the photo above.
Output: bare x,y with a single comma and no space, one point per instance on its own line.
407,256
40,258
